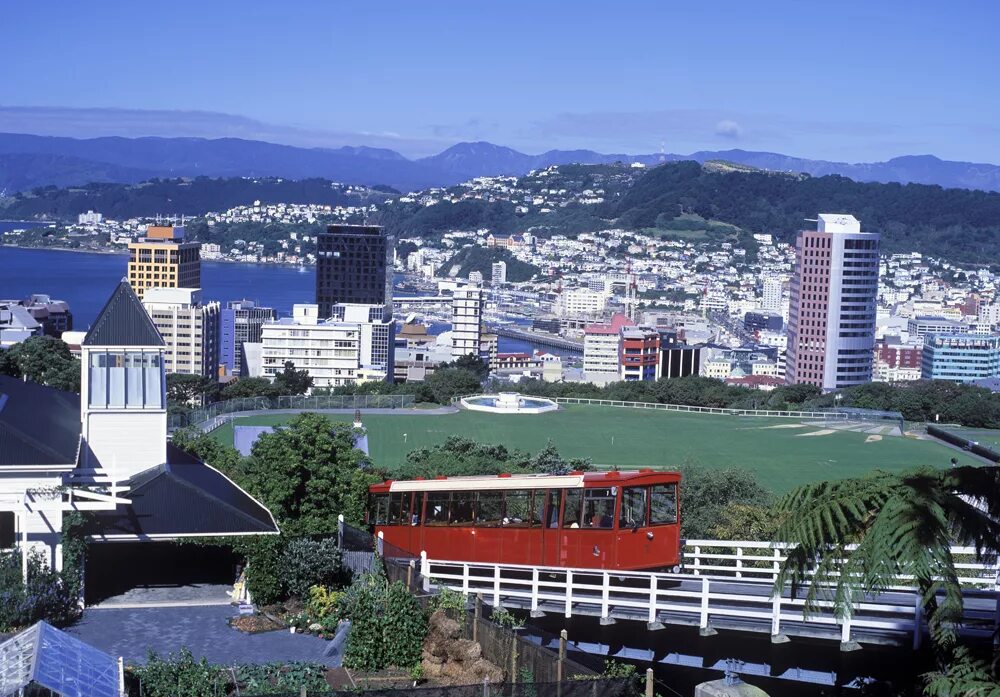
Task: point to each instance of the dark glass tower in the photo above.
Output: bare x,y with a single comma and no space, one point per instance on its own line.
352,267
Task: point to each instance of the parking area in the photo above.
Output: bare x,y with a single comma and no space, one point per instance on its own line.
132,632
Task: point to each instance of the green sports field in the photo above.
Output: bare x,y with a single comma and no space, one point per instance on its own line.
783,452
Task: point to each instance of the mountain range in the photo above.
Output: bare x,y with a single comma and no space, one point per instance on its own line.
29,161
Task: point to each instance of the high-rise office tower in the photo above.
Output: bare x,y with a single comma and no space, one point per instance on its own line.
352,266
831,323
240,321
164,260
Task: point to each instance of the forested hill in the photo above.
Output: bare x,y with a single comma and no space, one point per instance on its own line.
956,224
191,197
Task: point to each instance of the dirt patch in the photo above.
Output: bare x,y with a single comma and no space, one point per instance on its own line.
873,439
255,624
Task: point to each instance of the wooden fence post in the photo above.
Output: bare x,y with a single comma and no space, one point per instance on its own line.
477,616
563,636
649,682
513,656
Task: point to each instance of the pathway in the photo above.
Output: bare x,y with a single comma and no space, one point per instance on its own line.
215,422
132,632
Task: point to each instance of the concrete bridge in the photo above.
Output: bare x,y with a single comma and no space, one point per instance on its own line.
541,338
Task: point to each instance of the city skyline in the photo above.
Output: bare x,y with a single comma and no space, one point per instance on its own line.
846,83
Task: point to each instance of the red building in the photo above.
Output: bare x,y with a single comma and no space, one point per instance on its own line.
639,353
898,355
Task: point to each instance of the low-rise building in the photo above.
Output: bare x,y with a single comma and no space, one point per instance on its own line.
355,345
639,354
600,350
960,357
580,302
16,325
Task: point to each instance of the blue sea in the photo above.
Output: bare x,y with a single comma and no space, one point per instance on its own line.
85,280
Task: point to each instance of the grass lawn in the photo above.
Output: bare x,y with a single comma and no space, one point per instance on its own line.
780,451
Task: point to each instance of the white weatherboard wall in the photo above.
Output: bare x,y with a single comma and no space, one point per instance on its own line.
43,527
125,443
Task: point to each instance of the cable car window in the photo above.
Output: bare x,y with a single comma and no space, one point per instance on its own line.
663,504
599,507
462,504
399,509
633,513
379,509
518,508
571,509
538,509
489,509
553,503
438,503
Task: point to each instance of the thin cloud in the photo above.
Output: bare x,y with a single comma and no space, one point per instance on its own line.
728,129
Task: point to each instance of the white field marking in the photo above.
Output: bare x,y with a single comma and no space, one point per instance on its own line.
824,432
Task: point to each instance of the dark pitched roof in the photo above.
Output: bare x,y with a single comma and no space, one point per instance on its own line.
123,322
183,499
38,425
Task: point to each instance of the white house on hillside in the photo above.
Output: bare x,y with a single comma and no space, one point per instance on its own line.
105,452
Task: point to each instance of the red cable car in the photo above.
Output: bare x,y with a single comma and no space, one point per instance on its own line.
599,520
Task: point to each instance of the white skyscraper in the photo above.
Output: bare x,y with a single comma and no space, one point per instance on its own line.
466,321
772,294
499,273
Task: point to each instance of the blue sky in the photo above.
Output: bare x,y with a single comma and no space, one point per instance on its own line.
855,81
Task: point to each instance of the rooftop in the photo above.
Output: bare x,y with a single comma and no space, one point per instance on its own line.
27,439
123,321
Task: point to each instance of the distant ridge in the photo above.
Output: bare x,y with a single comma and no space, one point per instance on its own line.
28,161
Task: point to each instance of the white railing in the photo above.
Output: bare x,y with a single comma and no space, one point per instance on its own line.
656,597
762,560
830,415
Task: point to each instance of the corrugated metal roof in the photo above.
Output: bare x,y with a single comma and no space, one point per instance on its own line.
39,425
183,499
123,322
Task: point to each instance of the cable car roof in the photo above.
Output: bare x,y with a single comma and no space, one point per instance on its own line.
574,480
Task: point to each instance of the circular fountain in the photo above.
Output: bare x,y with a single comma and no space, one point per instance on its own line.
508,403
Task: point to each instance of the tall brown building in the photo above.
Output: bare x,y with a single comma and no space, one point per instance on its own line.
164,260
831,318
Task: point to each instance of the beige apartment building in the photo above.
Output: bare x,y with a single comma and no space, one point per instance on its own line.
164,260
190,329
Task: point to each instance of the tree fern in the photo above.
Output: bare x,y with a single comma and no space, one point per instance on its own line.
859,537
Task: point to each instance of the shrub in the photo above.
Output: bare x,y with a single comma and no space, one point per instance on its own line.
46,596
264,571
310,563
405,627
388,626
178,675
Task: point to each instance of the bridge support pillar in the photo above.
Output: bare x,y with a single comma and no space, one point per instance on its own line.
605,621
655,626
779,638
535,614
847,646
707,631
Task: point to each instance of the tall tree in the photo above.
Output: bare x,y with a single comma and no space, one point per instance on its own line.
44,360
291,381
309,472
